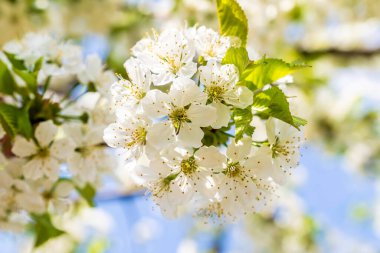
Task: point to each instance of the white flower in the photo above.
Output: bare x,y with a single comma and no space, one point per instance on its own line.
62,61
220,87
128,93
93,72
243,185
191,174
90,157
168,56
185,107
59,201
284,141
43,157
136,133
210,45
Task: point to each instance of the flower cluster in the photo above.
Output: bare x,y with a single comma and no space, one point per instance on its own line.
175,117
53,113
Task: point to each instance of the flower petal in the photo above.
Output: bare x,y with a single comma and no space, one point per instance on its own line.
223,115
201,115
45,133
210,157
238,151
190,135
23,148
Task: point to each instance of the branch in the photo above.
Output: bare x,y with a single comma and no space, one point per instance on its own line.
339,52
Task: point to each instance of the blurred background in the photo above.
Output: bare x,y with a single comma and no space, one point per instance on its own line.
332,203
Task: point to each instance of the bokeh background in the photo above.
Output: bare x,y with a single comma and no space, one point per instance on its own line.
331,204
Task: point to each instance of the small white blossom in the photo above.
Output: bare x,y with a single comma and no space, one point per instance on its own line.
42,157
168,56
243,186
93,72
284,141
129,93
220,87
190,174
136,133
89,157
210,45
185,107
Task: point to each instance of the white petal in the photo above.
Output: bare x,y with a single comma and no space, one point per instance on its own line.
238,151
74,132
163,78
62,148
202,115
63,189
33,169
94,135
184,91
45,133
155,103
223,115
138,73
188,70
241,98
190,135
50,168
114,135
210,157
160,135
23,148
271,131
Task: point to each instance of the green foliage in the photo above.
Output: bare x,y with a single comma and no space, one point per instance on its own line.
7,83
88,192
8,118
15,120
273,102
44,229
242,119
237,56
269,70
216,137
16,63
29,78
232,20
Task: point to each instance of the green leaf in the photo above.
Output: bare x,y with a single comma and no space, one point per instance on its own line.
17,63
24,125
88,192
44,229
299,121
29,78
237,56
242,119
38,65
232,20
7,83
269,70
9,118
273,102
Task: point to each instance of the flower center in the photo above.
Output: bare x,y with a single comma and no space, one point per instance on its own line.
178,117
138,137
173,66
233,169
215,93
84,151
134,90
278,149
44,152
189,166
